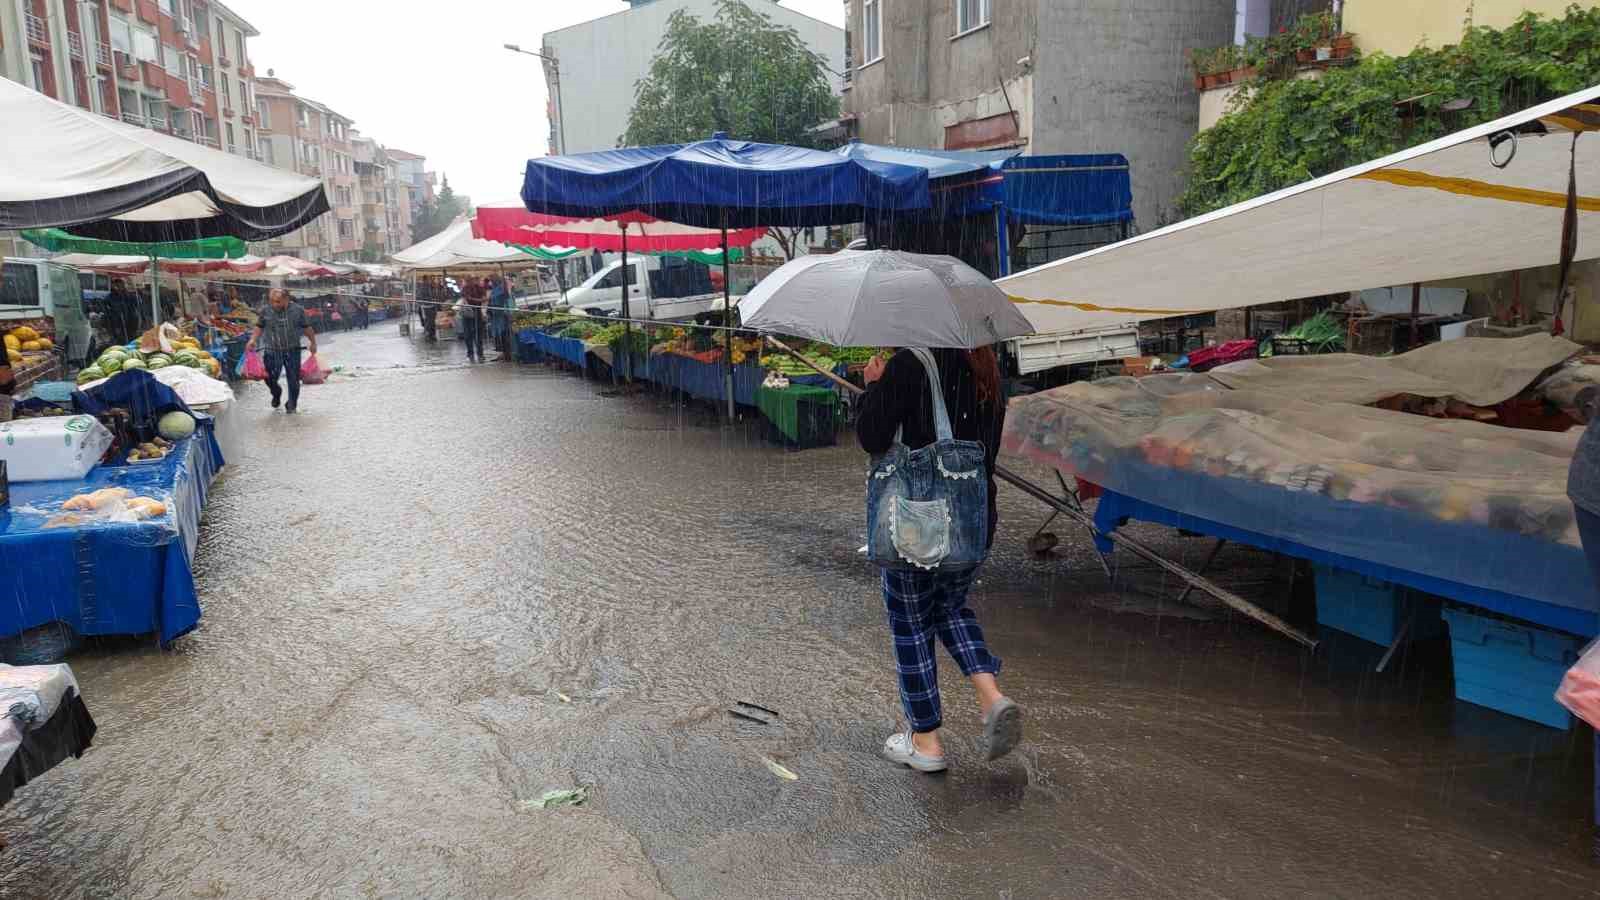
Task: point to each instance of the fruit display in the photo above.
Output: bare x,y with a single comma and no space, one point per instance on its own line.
155,449
186,352
107,504
27,348
175,426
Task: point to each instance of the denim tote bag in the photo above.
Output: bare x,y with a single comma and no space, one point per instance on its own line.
928,508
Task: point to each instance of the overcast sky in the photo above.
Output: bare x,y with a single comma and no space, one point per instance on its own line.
438,83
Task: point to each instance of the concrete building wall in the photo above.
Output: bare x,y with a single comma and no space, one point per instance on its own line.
929,78
1397,28
602,61
1112,76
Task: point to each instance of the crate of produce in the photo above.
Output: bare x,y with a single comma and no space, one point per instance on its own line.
1208,358
1372,609
1511,667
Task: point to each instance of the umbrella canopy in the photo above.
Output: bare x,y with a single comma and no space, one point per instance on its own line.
65,167
722,182
133,265
883,298
510,223
1470,203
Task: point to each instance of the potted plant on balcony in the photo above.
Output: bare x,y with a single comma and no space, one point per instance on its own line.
1220,66
1317,38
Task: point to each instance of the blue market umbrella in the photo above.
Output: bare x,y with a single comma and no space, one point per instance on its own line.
723,183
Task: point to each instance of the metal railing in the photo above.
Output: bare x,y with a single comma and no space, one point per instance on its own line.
75,45
204,141
133,118
38,31
102,54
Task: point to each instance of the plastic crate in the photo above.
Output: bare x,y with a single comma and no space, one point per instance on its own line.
1372,609
1510,667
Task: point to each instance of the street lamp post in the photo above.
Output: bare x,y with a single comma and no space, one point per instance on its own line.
561,108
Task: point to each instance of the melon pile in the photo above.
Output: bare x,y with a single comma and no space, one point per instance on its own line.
186,352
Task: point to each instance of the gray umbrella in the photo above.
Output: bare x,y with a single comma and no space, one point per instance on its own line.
883,298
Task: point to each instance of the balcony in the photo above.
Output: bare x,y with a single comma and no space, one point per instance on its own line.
227,111
38,31
248,119
155,77
75,45
204,141
222,60
102,55
127,66
133,118
247,69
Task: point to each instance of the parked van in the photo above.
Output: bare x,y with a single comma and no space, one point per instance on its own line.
668,288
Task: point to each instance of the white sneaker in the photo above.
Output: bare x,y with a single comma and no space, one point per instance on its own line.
899,749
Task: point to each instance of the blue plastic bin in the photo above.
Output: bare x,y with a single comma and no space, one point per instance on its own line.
1511,667
1372,609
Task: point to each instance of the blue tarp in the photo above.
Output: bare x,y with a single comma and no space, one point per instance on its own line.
717,182
941,164
704,380
108,577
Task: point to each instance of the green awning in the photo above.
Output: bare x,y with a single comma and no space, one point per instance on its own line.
58,241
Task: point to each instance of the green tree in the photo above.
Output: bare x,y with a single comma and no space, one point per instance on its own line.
741,74
1286,131
437,214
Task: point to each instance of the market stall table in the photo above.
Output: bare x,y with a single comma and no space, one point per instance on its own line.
800,415
102,578
43,721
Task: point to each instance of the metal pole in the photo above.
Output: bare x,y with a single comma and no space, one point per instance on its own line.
1416,310
561,107
727,317
627,325
155,294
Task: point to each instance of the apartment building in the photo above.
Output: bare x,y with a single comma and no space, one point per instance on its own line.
384,202
411,172
304,136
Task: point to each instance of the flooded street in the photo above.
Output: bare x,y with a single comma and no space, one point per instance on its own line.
441,591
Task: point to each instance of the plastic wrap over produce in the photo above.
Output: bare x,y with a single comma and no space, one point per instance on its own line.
1455,500
29,696
136,515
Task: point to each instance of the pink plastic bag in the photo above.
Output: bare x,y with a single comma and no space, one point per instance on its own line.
1580,690
254,368
311,371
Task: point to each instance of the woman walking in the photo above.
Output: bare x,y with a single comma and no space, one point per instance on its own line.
922,603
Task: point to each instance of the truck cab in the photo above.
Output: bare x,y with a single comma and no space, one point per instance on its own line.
667,288
39,289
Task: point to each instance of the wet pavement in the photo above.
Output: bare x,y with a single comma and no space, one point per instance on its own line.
442,590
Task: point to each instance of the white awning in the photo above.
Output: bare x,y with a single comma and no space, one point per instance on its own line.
456,248
65,167
1440,210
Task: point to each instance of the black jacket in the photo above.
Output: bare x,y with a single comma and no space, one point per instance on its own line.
902,397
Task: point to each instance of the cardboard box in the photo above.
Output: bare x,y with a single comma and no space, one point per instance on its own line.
53,449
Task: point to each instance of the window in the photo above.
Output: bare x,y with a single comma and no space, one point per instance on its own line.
145,46
227,129
872,31
268,155
238,38
170,7
222,40
304,116
263,120
19,284
347,229
227,91
39,82
971,14
206,76
249,142
121,35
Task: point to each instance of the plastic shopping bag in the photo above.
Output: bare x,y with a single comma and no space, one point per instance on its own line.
254,368
1580,690
311,371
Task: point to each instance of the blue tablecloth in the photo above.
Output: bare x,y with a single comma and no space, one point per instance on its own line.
1551,580
705,380
571,350
109,578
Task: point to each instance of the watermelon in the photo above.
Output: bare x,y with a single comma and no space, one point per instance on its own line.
133,362
93,373
157,362
175,426
110,365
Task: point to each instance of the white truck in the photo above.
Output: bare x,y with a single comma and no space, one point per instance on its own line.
1069,351
32,289
666,288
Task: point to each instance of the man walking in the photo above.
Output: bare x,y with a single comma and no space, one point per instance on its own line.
279,331
121,313
474,300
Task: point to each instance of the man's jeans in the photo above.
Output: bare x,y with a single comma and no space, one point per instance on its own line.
287,361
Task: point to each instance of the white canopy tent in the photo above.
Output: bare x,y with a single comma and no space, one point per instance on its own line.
456,249
65,167
1441,210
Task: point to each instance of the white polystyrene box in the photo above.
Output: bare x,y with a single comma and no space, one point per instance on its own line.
52,449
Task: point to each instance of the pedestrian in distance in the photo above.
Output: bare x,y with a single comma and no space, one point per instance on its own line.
122,313
926,604
429,296
474,303
282,324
